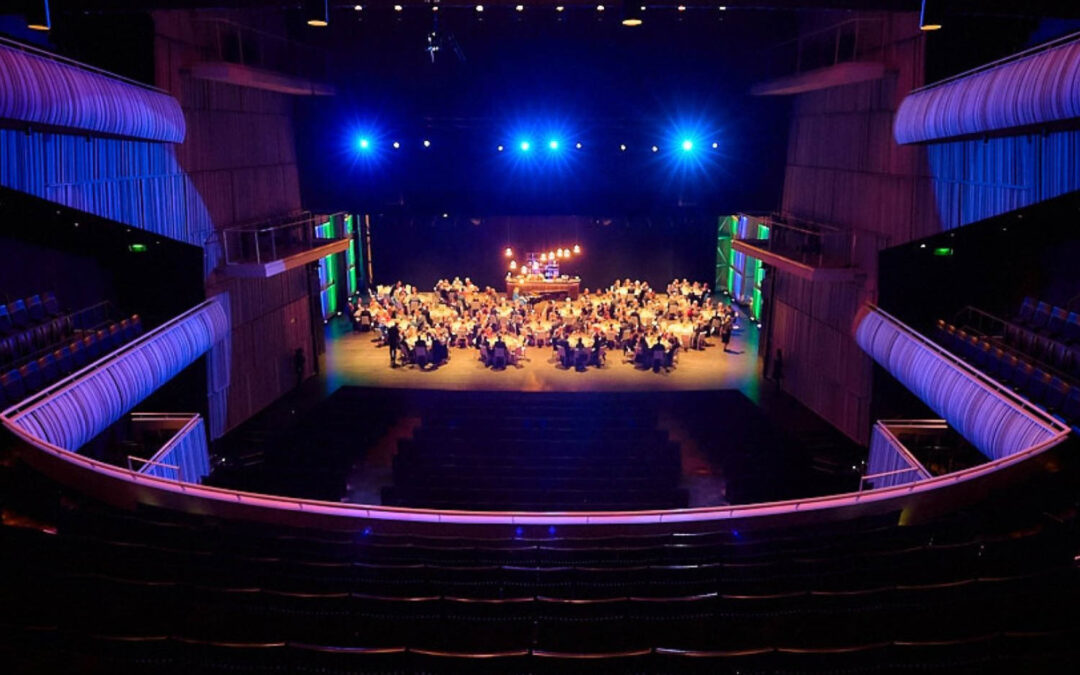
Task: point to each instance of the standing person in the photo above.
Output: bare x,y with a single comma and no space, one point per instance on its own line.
298,365
725,332
393,338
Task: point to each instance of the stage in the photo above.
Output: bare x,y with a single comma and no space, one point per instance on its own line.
354,359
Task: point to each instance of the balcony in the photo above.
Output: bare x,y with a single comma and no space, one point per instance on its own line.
248,57
169,445
808,250
844,53
272,247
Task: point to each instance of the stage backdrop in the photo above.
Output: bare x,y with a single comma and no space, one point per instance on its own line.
655,249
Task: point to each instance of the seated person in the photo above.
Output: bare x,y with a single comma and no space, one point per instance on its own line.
581,356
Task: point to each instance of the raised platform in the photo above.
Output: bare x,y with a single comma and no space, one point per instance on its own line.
558,288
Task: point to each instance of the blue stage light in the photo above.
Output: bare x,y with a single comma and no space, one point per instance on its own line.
525,145
363,143
553,144
687,145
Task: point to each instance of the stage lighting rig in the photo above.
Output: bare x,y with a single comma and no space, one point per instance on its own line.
438,41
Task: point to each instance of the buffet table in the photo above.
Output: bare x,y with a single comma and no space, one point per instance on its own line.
544,287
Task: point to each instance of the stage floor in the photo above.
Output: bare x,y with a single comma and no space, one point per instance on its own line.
353,359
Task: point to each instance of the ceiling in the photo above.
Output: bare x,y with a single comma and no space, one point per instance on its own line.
1027,8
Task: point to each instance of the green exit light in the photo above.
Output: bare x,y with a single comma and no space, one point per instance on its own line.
943,251
137,248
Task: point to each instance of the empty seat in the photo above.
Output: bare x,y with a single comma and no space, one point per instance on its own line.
52,307
31,376
1056,393
19,316
48,369
12,384
1055,325
1038,385
35,308
79,355
1041,316
1027,310
65,364
115,337
6,324
1070,409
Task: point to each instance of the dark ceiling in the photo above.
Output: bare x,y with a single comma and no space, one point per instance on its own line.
1027,8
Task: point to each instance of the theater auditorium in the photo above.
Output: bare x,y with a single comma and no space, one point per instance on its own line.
539,336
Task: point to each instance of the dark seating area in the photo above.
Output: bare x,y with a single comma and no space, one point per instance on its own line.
1037,353
538,452
101,590
306,455
42,345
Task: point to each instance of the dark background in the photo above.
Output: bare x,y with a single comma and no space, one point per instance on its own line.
654,249
89,263
584,79
995,264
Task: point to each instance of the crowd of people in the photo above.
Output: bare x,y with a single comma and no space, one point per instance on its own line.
649,328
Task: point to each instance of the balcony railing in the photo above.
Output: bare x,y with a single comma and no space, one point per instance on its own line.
274,240
231,42
172,445
851,40
808,244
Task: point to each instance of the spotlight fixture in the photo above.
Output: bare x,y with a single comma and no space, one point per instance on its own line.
681,8
655,149
687,145
553,144
479,8
434,8
427,143
509,252
578,146
600,8
316,12
364,144
715,145
930,15
525,145
622,147
722,8
513,264
358,8
398,8
559,8
499,148
519,8
631,16
577,249
396,145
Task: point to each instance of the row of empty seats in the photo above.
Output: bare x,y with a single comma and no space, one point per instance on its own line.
97,589
533,452
87,346
1048,389
30,325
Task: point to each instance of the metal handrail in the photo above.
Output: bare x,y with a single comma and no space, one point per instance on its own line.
151,462
304,224
1015,399
52,56
1046,46
52,389
293,51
